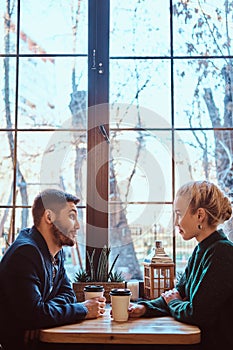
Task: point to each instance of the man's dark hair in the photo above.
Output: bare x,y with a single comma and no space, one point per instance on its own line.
52,199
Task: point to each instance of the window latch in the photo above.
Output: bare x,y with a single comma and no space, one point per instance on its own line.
93,66
104,133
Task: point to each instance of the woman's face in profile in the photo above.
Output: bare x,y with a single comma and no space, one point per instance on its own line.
185,221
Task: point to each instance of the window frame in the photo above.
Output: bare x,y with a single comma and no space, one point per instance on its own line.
97,208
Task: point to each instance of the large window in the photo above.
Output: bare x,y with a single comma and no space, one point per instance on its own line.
120,103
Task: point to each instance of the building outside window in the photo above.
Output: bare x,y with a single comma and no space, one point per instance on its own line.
119,103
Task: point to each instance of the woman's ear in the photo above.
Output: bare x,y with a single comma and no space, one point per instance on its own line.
201,214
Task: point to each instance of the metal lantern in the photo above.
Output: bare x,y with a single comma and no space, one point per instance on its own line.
158,273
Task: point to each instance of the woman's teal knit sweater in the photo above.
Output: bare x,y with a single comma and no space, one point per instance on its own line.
207,291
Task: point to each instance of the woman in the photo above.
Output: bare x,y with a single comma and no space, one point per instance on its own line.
204,294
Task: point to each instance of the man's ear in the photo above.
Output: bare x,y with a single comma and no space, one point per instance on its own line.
49,216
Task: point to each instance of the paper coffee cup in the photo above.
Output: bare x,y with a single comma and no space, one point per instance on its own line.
120,299
93,291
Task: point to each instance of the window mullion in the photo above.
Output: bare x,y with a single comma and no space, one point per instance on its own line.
98,114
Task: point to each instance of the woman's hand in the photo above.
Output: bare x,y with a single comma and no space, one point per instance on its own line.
171,295
136,310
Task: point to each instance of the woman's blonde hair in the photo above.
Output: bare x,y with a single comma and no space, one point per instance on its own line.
206,195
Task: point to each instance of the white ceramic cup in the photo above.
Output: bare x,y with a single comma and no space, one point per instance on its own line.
93,291
120,299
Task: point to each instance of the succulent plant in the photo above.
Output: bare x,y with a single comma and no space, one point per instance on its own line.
116,277
81,276
102,273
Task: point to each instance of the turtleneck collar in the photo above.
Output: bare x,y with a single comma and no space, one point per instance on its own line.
213,237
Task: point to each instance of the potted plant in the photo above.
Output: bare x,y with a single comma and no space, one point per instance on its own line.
103,275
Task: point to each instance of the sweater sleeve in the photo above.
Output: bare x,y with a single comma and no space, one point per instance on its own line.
210,287
155,308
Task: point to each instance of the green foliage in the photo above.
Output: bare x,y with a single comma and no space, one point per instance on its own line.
116,277
81,276
102,273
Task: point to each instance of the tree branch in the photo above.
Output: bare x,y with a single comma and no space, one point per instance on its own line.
212,109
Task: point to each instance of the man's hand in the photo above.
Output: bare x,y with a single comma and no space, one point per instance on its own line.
95,307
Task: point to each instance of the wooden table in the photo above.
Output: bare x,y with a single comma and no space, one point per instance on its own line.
103,330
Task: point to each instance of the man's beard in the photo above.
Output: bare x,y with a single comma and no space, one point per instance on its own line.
61,236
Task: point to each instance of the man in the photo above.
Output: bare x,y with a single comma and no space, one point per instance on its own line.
35,291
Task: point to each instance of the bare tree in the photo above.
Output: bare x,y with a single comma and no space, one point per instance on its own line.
211,30
19,178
